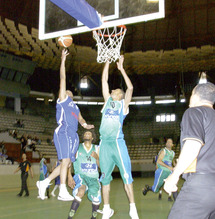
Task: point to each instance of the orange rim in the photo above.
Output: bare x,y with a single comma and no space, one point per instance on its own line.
113,35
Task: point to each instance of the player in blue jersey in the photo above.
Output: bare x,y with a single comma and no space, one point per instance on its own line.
86,175
113,150
66,139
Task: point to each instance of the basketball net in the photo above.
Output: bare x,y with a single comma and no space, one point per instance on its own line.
109,42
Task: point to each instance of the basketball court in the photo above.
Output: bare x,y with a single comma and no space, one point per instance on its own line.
149,207
108,21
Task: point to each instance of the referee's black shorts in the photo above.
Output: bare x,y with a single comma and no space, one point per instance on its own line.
196,199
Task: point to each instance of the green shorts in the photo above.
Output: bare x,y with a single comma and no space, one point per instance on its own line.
93,187
114,153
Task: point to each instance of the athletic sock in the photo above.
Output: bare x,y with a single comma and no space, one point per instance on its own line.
74,207
62,189
47,180
56,186
132,206
94,211
107,206
133,211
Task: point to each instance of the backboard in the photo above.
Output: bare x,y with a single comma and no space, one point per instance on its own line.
55,22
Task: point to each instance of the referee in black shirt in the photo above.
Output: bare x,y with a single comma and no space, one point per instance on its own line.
25,167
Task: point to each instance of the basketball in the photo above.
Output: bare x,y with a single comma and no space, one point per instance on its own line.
65,41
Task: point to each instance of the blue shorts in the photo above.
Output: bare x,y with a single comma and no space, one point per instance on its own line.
160,176
111,154
66,144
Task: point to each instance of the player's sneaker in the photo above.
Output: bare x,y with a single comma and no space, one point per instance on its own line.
133,214
42,185
52,194
65,196
107,213
159,196
145,190
170,199
71,214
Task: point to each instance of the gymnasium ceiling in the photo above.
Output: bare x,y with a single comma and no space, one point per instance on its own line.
160,54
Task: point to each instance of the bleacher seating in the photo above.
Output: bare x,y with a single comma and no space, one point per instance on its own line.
17,39
140,131
47,150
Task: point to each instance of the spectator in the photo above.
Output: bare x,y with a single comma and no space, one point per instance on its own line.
2,147
14,133
3,156
19,123
23,141
37,140
22,123
31,143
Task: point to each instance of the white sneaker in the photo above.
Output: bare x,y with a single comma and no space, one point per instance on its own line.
107,213
65,196
52,194
42,185
133,214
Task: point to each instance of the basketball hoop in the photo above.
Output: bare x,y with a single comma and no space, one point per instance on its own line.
109,42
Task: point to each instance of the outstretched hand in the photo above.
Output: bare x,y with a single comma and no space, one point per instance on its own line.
89,126
120,62
170,184
65,53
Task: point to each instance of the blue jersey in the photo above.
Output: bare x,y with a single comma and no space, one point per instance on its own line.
67,115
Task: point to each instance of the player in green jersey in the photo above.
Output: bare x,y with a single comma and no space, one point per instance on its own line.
86,175
164,169
113,149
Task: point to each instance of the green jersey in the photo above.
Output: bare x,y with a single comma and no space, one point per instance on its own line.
85,164
43,170
168,158
112,120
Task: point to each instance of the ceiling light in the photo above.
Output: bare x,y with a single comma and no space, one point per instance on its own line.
84,82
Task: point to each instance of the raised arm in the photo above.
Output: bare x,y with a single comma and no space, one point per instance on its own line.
83,123
105,87
62,91
129,91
